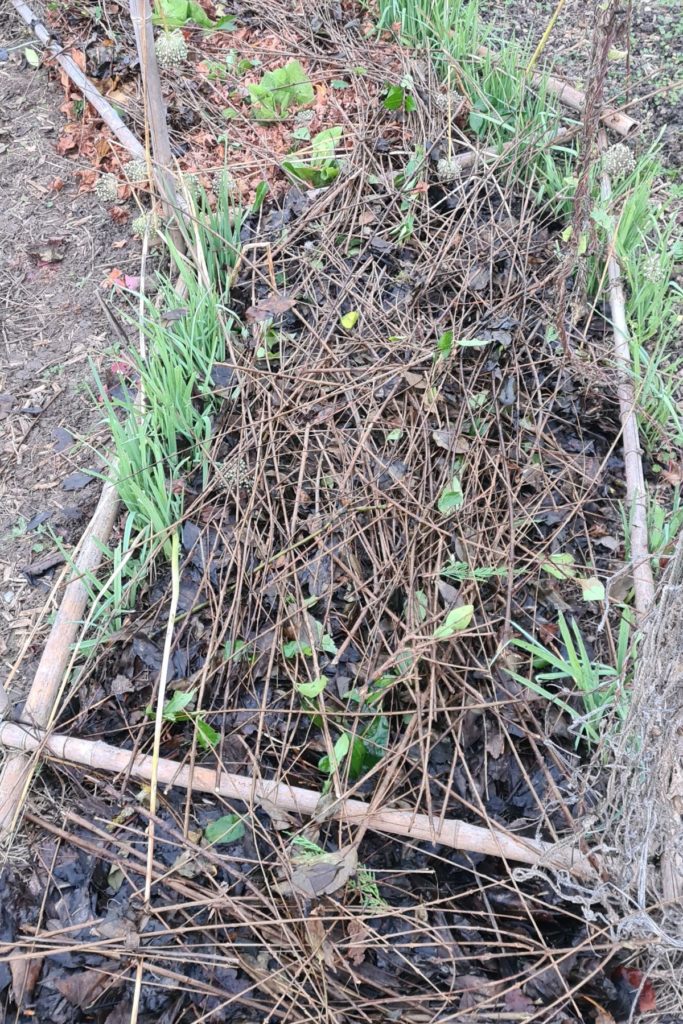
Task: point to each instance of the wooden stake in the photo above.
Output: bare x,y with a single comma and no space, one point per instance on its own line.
636,495
458,835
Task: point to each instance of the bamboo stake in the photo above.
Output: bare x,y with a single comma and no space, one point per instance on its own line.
155,113
636,495
94,98
458,835
573,98
17,769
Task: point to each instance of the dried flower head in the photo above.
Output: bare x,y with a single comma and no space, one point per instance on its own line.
654,270
171,49
446,101
107,188
448,170
145,222
237,473
136,171
223,181
618,161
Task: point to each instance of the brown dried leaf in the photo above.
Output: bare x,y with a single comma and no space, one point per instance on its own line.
326,873
267,309
25,974
82,988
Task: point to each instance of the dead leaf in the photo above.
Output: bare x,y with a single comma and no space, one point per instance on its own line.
120,244
119,214
267,309
320,944
102,148
358,933
114,279
324,874
451,441
83,988
673,474
56,185
50,251
495,744
78,57
516,1002
25,974
87,179
279,818
67,142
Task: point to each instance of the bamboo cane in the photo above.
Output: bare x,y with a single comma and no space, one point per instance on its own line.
458,835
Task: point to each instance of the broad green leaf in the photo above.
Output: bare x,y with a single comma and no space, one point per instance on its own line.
395,435
560,565
349,320
394,98
444,345
328,645
312,689
31,57
473,342
418,603
592,589
207,737
456,620
175,13
224,830
294,647
339,83
341,749
451,497
233,650
174,709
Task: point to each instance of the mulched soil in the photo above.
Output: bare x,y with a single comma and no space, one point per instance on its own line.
360,477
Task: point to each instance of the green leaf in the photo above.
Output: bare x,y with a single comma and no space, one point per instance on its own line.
224,830
341,749
409,104
349,320
312,689
280,90
394,98
230,113
260,195
444,345
451,497
592,589
174,709
419,604
31,57
395,435
294,647
302,133
339,83
175,13
375,741
207,737
560,566
456,620
327,644
232,649
473,342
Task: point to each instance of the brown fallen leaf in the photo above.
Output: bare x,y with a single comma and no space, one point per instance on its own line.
267,309
323,874
358,933
25,973
83,988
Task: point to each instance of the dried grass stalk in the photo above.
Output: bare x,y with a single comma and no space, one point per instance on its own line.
459,835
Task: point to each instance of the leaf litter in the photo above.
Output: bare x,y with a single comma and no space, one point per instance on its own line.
316,614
